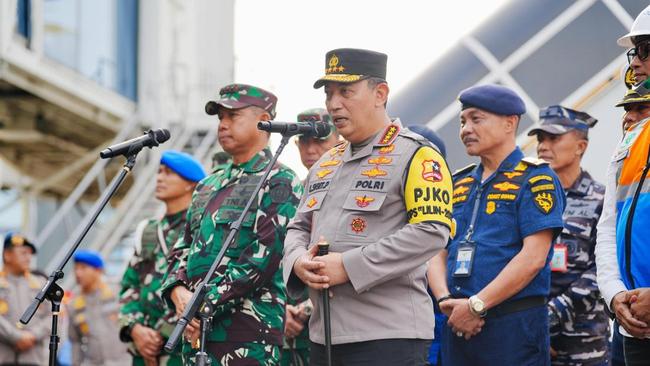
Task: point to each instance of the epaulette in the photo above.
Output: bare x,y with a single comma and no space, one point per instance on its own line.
464,170
534,161
341,144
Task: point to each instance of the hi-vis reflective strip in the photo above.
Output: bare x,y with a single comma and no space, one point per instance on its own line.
428,190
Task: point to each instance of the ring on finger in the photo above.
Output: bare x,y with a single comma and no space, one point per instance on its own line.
459,334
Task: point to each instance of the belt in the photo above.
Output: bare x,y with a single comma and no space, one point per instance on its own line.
515,306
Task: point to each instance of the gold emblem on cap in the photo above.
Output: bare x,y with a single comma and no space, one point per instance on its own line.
334,65
334,61
17,240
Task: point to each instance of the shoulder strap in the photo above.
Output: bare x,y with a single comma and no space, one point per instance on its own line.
464,170
534,161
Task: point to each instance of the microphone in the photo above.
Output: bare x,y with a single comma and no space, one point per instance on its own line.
150,139
311,129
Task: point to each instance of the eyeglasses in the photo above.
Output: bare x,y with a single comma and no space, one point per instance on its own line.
640,50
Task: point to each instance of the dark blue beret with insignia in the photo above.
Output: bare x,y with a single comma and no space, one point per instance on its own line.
89,257
183,164
493,98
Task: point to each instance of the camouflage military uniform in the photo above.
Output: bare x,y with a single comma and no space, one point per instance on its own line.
140,294
93,329
249,295
16,293
579,327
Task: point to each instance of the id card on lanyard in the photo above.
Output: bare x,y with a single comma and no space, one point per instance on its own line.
467,248
560,258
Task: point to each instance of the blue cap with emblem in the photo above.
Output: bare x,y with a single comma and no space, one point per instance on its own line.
493,98
183,164
430,135
13,240
89,257
558,120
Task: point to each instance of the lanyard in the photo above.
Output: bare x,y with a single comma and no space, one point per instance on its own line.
477,200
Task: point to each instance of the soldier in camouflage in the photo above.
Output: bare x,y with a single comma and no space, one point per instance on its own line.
295,351
145,319
247,293
579,326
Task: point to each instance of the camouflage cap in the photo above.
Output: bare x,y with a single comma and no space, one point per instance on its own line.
638,94
235,96
349,65
317,115
558,120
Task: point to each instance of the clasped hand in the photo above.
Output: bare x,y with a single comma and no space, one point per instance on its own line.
461,319
320,272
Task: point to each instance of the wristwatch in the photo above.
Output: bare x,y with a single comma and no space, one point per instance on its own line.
477,306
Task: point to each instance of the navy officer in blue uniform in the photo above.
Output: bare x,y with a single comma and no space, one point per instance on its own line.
493,279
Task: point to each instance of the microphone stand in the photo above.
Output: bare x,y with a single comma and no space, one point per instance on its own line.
51,290
198,298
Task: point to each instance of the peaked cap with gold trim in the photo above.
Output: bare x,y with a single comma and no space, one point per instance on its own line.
349,65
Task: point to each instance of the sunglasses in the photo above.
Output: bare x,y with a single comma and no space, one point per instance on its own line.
640,50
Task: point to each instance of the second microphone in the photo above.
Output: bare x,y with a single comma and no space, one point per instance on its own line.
312,129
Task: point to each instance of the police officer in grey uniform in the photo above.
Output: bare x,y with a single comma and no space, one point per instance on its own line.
382,202
93,315
21,345
579,326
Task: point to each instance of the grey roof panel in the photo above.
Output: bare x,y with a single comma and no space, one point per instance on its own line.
633,7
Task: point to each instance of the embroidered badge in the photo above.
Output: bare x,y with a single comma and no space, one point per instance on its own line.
502,196
386,149
460,190
537,178
330,163
511,175
464,180
544,201
380,160
358,225
312,202
505,186
521,166
431,171
490,207
458,199
374,172
363,201
389,135
4,307
543,187
323,173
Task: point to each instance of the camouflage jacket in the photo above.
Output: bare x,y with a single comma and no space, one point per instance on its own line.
575,308
140,293
248,294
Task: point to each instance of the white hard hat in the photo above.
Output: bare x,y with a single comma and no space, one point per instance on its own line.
640,27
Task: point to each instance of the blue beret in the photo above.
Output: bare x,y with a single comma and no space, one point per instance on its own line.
493,98
89,257
183,164
430,135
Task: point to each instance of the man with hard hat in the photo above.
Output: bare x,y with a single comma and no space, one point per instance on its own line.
247,293
382,200
638,42
21,345
145,319
93,313
507,210
579,325
622,249
296,331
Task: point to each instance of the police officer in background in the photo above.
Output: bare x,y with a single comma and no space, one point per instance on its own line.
382,202
93,313
145,319
579,326
507,211
18,286
295,351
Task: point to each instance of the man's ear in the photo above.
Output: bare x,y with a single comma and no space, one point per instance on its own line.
381,94
264,116
512,122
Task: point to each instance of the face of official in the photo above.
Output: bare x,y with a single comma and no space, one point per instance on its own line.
88,277
17,260
641,68
561,151
170,186
354,107
311,149
635,113
238,133
482,132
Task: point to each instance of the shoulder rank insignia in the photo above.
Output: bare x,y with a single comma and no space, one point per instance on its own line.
387,149
323,173
339,148
534,161
544,201
312,202
505,186
374,172
389,135
464,170
511,175
380,160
